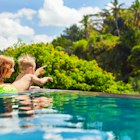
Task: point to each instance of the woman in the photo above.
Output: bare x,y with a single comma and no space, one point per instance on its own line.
6,70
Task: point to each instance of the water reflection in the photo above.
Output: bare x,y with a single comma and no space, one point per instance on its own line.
27,104
6,107
118,115
68,116
16,112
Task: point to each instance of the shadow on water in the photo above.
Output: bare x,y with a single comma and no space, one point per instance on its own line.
52,114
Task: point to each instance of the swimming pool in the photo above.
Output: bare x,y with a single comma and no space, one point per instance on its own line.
69,115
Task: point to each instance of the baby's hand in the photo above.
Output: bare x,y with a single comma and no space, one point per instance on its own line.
50,79
40,71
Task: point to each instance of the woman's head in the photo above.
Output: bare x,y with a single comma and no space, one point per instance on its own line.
6,67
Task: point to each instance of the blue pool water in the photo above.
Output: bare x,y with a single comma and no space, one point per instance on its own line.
69,115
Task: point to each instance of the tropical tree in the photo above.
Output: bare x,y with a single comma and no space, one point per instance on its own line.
136,12
87,24
73,33
104,14
115,10
69,35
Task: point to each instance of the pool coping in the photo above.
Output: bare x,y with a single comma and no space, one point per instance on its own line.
137,96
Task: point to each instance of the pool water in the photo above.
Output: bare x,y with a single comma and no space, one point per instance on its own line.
68,115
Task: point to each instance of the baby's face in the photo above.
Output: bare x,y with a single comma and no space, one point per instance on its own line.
31,70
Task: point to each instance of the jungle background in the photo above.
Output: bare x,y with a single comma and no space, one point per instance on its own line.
101,53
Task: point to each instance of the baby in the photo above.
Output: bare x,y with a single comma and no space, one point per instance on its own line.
28,75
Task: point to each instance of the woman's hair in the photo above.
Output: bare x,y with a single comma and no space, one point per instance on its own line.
6,63
26,61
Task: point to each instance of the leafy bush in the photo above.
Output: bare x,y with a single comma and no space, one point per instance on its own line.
69,72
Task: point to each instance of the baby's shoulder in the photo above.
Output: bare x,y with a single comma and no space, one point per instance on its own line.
28,75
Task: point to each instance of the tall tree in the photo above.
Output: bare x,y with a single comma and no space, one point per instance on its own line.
115,9
136,12
87,24
73,33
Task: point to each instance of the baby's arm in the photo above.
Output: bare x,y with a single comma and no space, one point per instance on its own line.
41,81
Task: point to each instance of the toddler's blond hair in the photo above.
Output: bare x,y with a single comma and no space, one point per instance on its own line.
26,61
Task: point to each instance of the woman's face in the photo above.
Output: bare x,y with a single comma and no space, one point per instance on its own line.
9,73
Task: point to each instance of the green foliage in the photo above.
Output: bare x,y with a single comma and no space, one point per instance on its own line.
135,81
95,46
79,48
72,33
61,41
134,58
112,45
69,72
106,42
